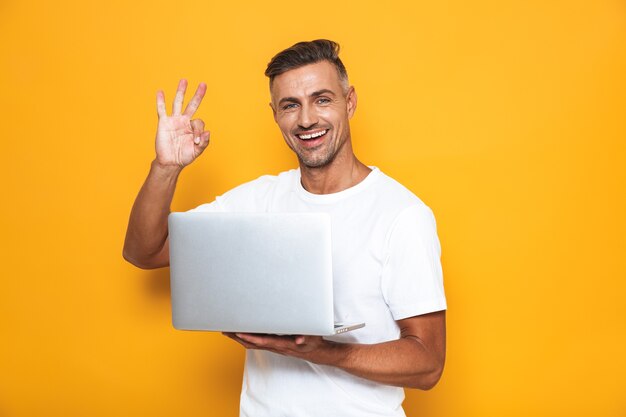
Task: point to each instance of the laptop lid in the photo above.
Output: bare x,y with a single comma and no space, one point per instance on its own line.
252,272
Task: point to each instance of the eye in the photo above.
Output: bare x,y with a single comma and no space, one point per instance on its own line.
289,106
323,100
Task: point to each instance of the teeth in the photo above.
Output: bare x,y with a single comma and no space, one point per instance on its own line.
313,135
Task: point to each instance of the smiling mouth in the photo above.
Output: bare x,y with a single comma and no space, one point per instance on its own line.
311,136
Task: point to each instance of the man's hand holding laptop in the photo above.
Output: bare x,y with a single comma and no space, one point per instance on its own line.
310,348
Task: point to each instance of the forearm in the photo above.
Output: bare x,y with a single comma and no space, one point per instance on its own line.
415,360
147,226
405,362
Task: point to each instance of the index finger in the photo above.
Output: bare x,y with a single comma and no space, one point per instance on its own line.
195,101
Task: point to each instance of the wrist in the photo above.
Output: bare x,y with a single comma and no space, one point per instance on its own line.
335,354
165,171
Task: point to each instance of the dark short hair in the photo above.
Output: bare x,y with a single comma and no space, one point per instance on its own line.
305,53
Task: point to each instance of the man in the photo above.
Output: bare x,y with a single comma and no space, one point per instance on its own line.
385,248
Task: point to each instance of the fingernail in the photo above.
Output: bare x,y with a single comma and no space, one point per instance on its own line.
196,141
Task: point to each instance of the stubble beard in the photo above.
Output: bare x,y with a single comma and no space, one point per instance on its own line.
318,157
313,160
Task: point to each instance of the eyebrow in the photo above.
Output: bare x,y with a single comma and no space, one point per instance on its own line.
313,94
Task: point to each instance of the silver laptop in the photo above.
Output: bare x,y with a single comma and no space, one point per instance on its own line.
253,273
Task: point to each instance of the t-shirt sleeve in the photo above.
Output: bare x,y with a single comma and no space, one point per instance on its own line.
214,206
241,198
253,196
412,279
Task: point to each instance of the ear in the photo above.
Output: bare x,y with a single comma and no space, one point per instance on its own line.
273,111
351,100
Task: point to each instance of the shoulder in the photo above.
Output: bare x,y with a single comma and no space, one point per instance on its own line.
397,192
257,194
404,211
397,200
263,184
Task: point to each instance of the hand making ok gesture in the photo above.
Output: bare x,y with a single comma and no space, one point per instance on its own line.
179,139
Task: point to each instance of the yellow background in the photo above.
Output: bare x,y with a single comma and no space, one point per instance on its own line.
506,117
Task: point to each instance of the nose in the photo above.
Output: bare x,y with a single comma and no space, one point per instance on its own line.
307,118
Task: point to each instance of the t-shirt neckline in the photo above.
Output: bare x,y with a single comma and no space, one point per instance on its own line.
334,197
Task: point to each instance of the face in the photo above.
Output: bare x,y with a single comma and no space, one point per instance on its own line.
312,109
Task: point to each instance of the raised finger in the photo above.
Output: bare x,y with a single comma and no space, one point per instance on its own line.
177,107
195,101
161,104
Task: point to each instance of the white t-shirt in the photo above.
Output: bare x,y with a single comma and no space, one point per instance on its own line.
386,267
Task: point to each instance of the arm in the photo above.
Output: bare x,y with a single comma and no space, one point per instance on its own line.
146,244
179,141
416,360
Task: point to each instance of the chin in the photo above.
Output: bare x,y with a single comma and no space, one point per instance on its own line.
317,162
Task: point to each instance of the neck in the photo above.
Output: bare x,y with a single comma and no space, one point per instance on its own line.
342,173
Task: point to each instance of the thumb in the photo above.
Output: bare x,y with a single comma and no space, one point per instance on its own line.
200,137
202,141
